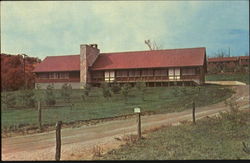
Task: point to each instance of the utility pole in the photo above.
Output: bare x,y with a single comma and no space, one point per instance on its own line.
228,52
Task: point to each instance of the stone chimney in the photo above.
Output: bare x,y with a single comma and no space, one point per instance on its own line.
88,55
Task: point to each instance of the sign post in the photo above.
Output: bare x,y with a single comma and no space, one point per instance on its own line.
138,111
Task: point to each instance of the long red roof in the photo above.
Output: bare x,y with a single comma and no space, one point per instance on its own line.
150,59
128,60
59,63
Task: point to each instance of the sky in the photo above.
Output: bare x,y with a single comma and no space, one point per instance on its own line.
51,28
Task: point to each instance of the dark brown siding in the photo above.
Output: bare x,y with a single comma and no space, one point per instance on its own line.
73,77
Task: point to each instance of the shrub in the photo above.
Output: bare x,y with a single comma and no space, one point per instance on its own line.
50,95
116,88
141,86
28,98
87,89
106,90
125,90
8,100
66,92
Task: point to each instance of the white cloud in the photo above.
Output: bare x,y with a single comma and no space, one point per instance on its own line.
57,28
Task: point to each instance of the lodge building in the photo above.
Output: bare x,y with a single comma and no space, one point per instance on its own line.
185,66
228,62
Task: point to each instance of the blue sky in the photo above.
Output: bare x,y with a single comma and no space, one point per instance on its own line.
50,28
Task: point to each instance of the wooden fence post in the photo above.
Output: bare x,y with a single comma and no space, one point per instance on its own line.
139,125
193,112
58,140
39,115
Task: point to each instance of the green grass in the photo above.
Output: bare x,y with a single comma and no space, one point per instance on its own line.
228,77
210,138
157,99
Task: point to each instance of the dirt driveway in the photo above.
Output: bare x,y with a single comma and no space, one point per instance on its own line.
78,143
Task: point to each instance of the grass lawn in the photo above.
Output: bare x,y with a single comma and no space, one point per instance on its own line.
156,99
210,138
229,77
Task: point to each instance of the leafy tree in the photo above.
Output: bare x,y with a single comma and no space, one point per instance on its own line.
125,90
141,87
50,95
12,71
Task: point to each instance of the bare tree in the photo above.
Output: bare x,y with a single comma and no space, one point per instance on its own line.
222,53
152,45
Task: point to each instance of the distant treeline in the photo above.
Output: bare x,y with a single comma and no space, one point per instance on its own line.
12,71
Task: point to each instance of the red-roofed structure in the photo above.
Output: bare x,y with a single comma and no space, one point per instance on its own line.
229,64
155,67
244,61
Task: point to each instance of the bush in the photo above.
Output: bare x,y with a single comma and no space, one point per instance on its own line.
8,100
116,88
87,89
50,95
28,98
66,92
125,90
141,86
106,90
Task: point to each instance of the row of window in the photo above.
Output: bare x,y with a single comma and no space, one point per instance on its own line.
149,72
54,75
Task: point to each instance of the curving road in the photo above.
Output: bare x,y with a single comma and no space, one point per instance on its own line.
78,143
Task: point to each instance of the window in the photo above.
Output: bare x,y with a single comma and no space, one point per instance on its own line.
97,74
122,73
131,73
58,75
63,75
43,76
162,72
147,73
53,75
174,73
109,76
188,71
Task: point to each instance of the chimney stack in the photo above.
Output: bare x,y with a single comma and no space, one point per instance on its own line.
88,55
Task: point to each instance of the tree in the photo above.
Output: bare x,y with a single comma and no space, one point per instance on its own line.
12,71
152,46
222,53
50,95
125,91
141,87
